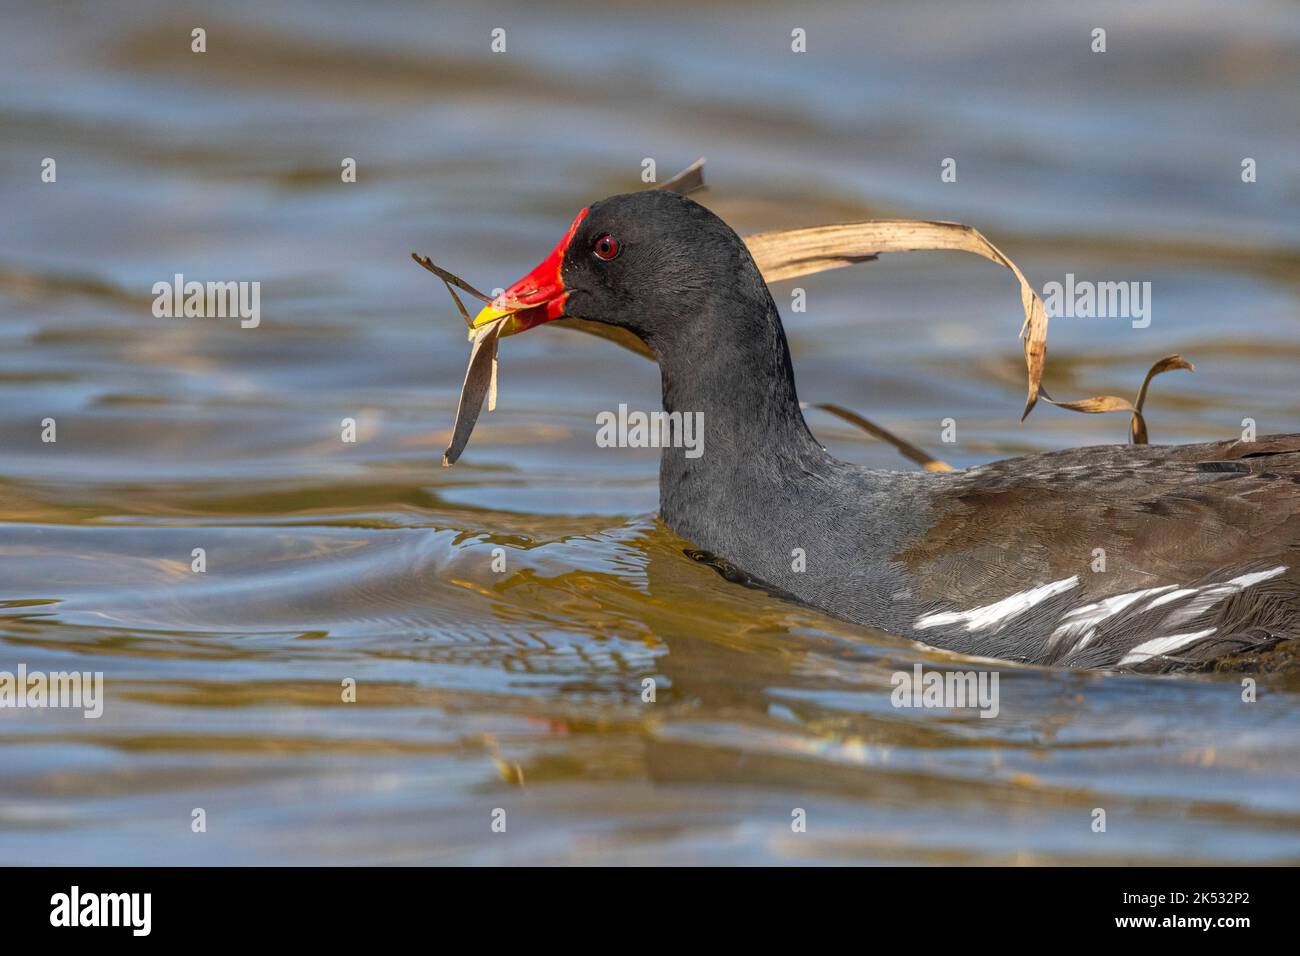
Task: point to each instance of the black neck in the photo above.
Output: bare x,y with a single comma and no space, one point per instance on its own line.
736,371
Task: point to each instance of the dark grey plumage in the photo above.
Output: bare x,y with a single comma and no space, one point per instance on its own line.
1142,557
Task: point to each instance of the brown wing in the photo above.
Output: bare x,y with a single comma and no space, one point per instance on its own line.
1124,519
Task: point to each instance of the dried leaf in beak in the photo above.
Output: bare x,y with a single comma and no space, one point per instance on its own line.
481,375
480,381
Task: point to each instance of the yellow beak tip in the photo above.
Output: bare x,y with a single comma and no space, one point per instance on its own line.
489,313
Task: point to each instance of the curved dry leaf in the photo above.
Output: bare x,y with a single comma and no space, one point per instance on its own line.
480,380
1166,364
1138,425
1102,404
1097,405
796,252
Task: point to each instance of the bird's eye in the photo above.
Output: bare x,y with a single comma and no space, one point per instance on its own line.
606,247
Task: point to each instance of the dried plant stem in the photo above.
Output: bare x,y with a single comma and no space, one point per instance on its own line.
1102,404
905,448
450,278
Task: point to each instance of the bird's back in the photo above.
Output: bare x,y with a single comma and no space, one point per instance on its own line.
1137,557
1145,557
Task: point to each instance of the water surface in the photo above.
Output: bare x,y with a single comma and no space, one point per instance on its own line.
522,690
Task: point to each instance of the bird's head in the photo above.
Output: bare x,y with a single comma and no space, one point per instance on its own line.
653,263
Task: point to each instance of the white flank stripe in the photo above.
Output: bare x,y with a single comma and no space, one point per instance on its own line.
1212,594
1163,645
992,615
1246,580
1084,620
1172,596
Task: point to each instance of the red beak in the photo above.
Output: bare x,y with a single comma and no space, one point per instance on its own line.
536,298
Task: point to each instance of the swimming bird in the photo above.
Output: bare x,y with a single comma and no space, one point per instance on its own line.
1129,557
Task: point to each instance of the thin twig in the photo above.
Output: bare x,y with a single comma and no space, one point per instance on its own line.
459,305
450,277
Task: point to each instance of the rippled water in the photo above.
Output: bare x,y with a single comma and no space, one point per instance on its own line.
521,690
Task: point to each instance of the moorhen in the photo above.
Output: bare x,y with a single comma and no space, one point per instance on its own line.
1131,557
